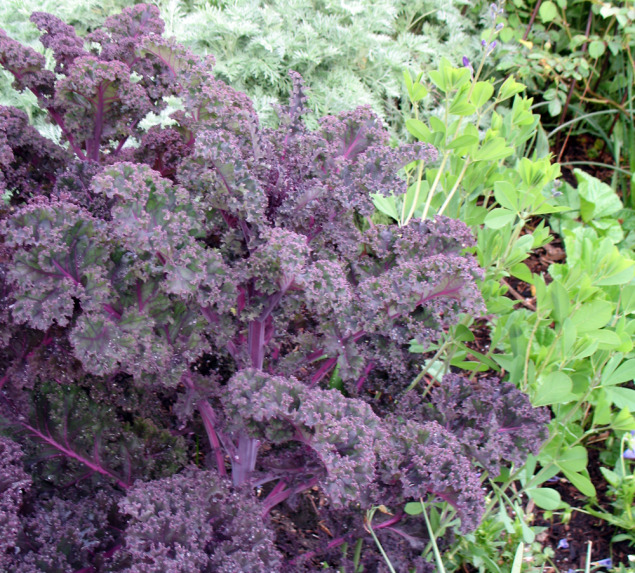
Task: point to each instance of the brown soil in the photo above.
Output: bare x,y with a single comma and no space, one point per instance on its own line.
583,528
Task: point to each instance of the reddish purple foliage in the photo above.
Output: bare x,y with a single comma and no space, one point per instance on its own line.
238,263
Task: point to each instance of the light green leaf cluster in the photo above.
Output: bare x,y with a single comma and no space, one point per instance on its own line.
349,52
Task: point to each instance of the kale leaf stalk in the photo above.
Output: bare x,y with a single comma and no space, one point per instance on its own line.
209,421
92,146
65,449
244,459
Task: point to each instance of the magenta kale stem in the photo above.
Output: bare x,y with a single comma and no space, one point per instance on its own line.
243,459
114,314
280,492
99,125
256,342
207,414
323,371
339,541
140,302
209,421
394,519
64,272
364,376
56,117
275,496
67,451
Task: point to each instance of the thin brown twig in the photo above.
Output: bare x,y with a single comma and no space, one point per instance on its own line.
531,20
572,89
519,297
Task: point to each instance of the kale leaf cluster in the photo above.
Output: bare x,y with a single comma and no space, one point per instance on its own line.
208,275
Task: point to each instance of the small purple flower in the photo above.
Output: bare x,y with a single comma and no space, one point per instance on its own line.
495,9
467,64
629,454
489,48
499,27
563,544
608,563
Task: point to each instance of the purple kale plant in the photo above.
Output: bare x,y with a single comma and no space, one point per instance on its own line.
494,421
14,484
214,277
194,521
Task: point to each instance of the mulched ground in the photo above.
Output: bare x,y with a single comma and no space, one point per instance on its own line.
583,528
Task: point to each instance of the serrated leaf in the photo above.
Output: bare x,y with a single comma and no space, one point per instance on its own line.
174,56
150,214
104,344
62,259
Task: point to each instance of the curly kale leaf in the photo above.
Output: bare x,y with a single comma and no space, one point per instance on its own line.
494,421
62,258
14,483
193,520
343,432
421,459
